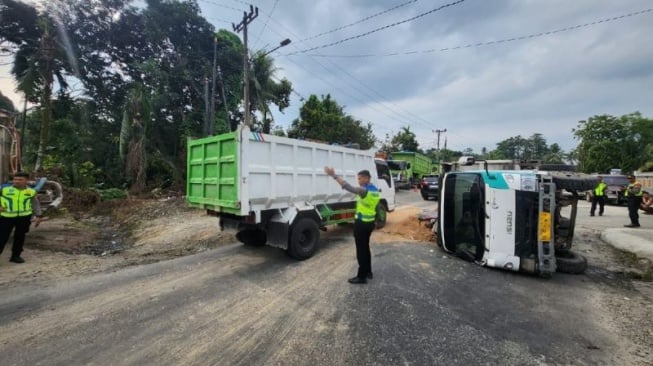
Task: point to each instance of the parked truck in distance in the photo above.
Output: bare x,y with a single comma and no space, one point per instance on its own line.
273,190
511,218
408,167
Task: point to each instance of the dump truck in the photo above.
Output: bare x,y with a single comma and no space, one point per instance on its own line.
273,190
511,219
408,167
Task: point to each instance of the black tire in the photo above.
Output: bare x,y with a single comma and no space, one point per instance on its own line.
570,262
574,181
557,167
303,240
564,222
252,237
381,215
425,197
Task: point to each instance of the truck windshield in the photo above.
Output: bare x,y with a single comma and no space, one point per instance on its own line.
396,164
463,215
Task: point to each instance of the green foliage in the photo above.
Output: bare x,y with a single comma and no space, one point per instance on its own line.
405,140
608,142
112,194
6,103
532,148
323,119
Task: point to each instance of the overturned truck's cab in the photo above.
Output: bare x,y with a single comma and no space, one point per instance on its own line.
511,219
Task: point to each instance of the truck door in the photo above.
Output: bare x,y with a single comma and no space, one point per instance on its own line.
385,183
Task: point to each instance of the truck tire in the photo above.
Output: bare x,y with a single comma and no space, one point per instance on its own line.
252,237
570,262
574,181
381,215
557,167
303,239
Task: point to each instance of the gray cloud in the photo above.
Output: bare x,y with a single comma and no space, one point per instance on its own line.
481,95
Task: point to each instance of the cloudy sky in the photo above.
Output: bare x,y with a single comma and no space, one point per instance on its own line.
421,74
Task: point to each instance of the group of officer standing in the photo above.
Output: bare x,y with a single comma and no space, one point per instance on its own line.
633,193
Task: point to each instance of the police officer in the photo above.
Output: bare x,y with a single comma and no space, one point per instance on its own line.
634,195
17,204
367,198
598,196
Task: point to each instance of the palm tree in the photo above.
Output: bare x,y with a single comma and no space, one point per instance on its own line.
39,60
267,89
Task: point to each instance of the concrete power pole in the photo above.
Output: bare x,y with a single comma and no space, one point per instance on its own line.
247,18
438,132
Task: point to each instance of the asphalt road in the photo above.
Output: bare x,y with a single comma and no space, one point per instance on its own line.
255,306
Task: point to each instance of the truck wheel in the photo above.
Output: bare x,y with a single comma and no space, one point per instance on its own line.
570,262
252,237
303,239
574,181
381,215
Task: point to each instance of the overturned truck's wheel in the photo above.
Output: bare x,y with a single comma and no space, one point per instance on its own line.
252,237
381,215
574,181
303,240
570,262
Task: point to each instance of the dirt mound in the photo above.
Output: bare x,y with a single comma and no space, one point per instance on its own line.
402,225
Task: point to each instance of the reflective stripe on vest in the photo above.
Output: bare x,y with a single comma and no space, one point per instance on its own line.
16,202
600,189
366,207
632,185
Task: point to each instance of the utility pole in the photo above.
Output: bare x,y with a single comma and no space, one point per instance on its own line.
224,101
438,132
247,18
211,128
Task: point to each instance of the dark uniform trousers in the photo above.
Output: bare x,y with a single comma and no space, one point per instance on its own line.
21,225
600,200
362,233
633,205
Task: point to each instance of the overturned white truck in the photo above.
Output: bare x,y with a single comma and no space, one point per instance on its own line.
511,219
273,190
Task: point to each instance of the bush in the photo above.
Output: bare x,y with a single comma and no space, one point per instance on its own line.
112,194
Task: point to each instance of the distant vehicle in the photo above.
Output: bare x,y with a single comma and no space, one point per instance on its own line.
408,167
429,186
616,187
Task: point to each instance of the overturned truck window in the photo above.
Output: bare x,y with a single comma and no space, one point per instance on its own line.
464,215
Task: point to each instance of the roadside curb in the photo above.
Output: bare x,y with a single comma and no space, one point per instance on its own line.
636,241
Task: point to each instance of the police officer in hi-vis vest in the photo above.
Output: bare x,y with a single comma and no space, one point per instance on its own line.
634,193
18,203
598,196
367,198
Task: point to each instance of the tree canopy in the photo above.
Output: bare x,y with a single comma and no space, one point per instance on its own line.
324,120
607,142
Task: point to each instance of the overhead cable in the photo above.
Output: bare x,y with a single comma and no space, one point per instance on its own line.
359,21
377,29
488,43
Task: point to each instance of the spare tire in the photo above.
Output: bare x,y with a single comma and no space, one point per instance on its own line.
574,181
252,237
570,262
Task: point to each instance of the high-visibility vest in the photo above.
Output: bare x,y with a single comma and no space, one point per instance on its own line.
366,206
599,191
631,185
16,202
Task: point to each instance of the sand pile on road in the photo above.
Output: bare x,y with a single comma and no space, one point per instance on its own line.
402,225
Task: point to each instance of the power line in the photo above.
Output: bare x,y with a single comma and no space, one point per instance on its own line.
222,5
266,21
398,115
378,29
359,21
488,43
